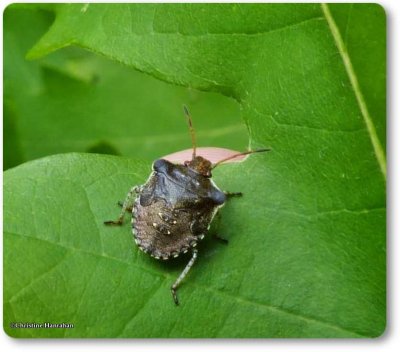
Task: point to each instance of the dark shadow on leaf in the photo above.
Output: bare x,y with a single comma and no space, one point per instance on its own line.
103,147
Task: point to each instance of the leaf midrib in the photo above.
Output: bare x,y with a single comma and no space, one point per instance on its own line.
378,150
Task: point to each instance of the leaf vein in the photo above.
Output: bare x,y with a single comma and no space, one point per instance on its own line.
51,269
379,153
83,295
148,299
278,310
289,26
212,290
80,250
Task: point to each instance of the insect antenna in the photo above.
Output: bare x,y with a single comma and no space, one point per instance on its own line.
191,129
239,154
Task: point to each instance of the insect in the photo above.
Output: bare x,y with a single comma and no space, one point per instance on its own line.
173,210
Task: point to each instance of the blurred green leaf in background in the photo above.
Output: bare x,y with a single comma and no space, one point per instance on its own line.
74,100
307,242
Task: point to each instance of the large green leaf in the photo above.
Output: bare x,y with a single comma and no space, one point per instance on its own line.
306,256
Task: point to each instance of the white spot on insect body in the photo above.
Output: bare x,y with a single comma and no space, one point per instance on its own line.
143,249
154,225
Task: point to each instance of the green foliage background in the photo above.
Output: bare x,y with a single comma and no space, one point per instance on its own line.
74,100
306,256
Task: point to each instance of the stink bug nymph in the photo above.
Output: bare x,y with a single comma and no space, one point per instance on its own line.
173,210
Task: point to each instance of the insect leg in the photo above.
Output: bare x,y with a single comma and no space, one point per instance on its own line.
214,235
185,271
126,205
219,238
233,194
128,209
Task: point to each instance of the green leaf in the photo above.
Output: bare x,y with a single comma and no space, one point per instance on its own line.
283,273
306,254
363,30
73,100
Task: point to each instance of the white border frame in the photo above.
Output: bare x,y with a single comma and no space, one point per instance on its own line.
389,341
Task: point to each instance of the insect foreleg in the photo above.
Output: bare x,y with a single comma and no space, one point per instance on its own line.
128,209
233,194
128,204
219,238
